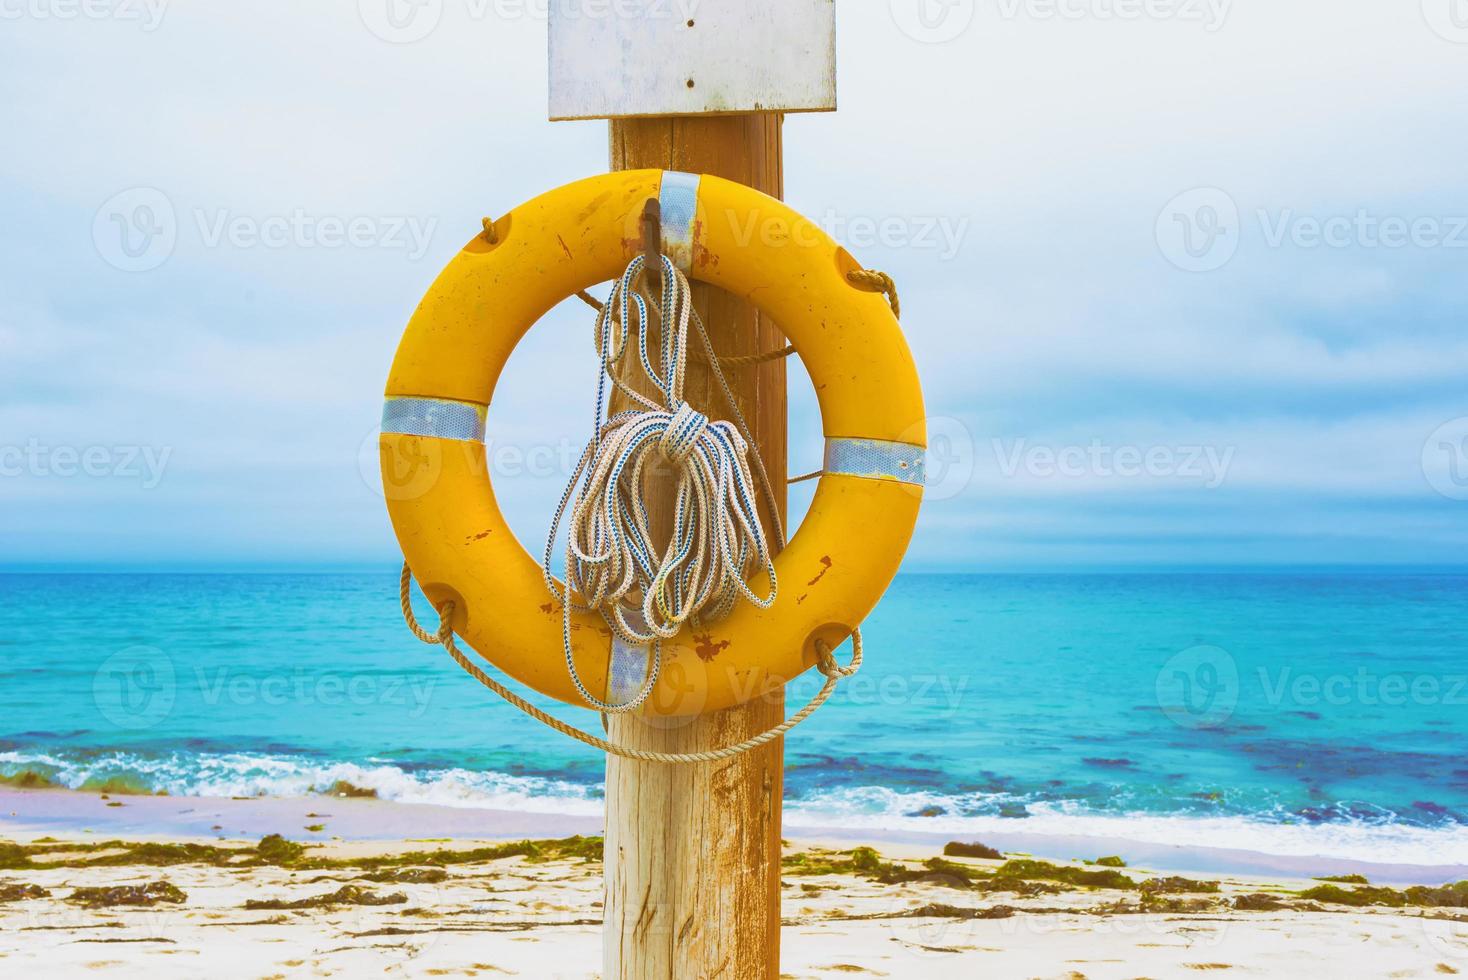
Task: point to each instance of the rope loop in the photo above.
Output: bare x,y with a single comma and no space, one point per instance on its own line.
445,627
752,360
877,282
444,637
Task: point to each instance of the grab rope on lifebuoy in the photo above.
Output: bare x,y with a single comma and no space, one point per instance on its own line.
719,614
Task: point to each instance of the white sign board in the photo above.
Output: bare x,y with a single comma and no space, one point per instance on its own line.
618,58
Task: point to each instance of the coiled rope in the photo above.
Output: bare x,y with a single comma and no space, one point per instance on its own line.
613,536
717,539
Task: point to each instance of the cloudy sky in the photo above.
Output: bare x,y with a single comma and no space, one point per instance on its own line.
1185,278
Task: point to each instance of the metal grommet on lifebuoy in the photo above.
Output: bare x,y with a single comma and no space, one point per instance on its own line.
461,549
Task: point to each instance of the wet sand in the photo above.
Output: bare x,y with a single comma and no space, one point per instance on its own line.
900,911
39,812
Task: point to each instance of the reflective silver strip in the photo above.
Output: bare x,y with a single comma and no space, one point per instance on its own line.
873,459
679,203
627,673
434,417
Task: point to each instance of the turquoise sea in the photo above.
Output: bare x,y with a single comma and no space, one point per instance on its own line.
1292,713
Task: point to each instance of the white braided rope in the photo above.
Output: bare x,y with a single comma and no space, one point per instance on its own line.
644,593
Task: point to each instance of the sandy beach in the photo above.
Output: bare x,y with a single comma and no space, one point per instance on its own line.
300,887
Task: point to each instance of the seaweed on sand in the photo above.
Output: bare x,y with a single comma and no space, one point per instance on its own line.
935,871
273,850
1030,870
11,892
345,895
13,857
1359,897
1023,876
862,860
1178,886
408,876
936,910
162,855
153,893
45,853
586,848
971,850
1447,896
1153,902
867,863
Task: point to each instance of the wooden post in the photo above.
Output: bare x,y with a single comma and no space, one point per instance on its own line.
693,852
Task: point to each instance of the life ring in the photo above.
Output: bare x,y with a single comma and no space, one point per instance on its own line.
437,484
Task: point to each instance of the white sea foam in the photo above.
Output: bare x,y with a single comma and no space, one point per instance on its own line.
253,775
862,808
1384,841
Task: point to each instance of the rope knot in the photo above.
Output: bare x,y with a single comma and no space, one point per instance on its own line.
445,622
680,438
826,659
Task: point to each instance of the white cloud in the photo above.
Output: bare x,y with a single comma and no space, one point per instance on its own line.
1048,145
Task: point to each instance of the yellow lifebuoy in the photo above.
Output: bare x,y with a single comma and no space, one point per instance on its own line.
437,484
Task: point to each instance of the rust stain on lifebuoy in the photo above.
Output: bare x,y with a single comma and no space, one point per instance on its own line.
707,649
825,567
593,207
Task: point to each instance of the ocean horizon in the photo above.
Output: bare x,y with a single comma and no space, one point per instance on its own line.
1293,712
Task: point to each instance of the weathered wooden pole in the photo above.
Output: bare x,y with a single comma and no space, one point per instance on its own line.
693,851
